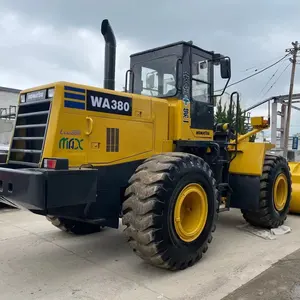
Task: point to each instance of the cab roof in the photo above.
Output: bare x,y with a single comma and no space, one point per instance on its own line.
189,44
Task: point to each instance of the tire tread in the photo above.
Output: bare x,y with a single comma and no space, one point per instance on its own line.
263,217
74,227
143,206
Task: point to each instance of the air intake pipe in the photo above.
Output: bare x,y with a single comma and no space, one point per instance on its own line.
110,55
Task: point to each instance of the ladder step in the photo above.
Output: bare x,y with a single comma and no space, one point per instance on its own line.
35,102
26,150
36,113
31,126
223,184
28,138
24,163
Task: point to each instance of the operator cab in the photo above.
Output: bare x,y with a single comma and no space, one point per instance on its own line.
182,71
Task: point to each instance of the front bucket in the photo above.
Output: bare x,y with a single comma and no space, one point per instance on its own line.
295,201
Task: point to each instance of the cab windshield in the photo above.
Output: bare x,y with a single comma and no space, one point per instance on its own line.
156,77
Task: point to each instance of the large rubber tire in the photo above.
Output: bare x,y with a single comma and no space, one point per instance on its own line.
148,211
75,227
268,216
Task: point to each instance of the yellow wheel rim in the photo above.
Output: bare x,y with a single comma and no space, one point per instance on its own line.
280,192
190,212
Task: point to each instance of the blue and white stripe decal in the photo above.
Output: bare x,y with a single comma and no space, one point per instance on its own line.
74,89
73,104
71,94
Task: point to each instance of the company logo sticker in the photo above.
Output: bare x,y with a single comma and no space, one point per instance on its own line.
203,132
73,143
186,111
70,132
186,101
36,96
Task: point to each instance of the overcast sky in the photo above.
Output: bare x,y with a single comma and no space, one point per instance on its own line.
45,41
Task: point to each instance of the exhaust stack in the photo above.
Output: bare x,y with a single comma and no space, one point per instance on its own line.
110,55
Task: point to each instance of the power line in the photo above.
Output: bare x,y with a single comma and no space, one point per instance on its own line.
250,76
276,79
269,80
262,64
264,69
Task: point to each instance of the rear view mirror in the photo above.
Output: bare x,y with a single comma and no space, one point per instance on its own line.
225,68
150,81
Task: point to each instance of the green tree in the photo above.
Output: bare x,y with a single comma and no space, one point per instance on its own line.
224,115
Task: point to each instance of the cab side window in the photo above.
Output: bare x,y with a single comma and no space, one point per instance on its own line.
200,79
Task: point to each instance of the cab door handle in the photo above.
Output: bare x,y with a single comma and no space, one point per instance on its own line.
90,124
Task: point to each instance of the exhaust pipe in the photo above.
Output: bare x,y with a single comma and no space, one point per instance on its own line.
110,55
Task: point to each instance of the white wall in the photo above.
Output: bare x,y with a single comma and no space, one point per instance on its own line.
8,98
6,128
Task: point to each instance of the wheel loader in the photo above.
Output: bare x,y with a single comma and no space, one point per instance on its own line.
151,155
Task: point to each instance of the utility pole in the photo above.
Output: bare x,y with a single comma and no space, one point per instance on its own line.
293,51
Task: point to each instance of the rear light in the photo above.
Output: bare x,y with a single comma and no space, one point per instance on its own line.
50,93
56,163
50,163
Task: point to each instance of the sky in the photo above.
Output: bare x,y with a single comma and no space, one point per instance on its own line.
45,41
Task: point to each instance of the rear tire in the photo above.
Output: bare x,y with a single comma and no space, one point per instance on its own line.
72,226
155,206
275,194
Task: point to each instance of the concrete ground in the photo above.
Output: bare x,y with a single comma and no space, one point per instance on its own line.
37,261
279,282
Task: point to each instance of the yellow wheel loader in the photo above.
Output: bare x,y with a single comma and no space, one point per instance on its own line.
85,156
295,201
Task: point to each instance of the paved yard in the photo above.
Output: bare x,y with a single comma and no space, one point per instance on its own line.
279,282
37,261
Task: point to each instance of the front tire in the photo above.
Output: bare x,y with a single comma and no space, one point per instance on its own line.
72,226
275,194
170,210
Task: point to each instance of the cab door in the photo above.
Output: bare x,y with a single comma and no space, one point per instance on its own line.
202,106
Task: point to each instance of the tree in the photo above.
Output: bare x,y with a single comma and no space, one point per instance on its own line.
223,115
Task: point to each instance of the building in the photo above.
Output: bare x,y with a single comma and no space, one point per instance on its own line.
293,154
8,104
8,98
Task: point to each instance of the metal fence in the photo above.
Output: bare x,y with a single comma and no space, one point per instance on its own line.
8,113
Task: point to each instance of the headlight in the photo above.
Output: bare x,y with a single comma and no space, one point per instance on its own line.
23,98
50,93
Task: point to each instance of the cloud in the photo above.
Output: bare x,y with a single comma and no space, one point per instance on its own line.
43,41
34,54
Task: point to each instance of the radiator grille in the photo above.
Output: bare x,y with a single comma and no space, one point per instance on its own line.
29,134
112,139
